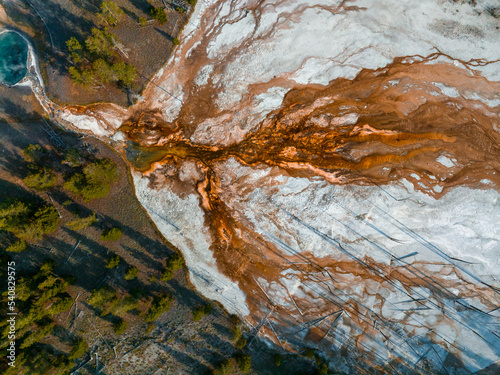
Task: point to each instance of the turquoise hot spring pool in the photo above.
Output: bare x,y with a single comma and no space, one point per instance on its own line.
13,57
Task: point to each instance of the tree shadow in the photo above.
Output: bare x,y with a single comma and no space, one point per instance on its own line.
164,34
183,358
143,258
154,248
189,298
142,5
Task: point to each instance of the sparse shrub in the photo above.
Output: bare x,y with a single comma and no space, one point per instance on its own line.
176,41
149,328
309,353
159,15
40,178
113,262
318,359
82,222
152,279
159,305
131,273
192,2
142,21
17,246
200,311
244,362
73,157
100,296
322,369
33,153
224,368
120,326
277,358
175,262
79,348
241,343
111,12
112,234
167,275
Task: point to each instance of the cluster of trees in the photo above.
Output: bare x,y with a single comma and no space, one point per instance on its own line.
98,61
93,180
28,221
39,297
40,177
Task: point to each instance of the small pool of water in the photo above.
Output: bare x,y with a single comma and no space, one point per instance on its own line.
13,57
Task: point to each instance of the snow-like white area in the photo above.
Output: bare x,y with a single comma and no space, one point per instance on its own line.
241,44
393,225
181,220
86,123
444,160
318,44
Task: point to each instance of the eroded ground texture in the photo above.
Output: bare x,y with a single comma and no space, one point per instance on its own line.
330,171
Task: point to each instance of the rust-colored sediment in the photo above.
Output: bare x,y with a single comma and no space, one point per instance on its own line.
380,127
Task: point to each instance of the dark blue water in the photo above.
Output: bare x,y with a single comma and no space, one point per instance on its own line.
13,57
